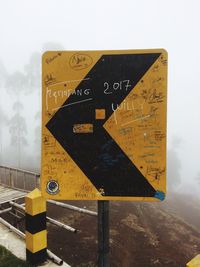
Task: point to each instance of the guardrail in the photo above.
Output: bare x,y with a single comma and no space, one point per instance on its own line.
27,181
19,179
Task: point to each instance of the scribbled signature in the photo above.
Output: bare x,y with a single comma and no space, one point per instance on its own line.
155,172
159,135
52,58
125,131
48,141
152,96
49,169
49,79
86,188
163,61
156,97
80,61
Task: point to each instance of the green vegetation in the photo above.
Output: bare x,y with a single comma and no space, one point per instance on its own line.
7,259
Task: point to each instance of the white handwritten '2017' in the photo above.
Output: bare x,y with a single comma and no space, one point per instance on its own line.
110,88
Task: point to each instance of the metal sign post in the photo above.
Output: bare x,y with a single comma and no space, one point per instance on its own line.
103,233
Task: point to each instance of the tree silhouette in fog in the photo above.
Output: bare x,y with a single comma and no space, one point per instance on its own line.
32,72
37,140
3,74
18,130
19,85
16,84
3,122
174,165
3,116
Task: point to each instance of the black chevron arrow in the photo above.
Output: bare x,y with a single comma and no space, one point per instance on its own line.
97,154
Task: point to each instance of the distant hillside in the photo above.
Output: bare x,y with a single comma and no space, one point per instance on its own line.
142,234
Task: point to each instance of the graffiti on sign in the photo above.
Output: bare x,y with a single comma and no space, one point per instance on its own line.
104,125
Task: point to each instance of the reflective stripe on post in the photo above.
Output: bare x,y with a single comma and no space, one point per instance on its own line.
36,233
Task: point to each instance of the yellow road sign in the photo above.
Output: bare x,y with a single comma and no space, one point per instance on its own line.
195,262
104,125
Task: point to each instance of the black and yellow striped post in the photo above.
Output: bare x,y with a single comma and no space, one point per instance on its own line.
36,233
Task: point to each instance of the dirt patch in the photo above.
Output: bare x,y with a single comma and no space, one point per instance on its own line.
141,234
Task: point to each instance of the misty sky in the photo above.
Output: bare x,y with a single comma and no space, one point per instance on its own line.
25,26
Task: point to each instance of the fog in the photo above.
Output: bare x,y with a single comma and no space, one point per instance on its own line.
28,28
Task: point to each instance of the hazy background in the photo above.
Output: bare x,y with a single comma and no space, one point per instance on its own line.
27,28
